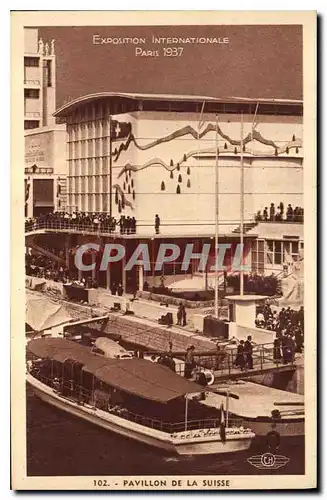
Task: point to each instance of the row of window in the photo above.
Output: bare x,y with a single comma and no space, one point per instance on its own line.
88,169
89,202
270,253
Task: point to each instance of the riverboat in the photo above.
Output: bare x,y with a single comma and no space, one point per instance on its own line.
268,411
135,398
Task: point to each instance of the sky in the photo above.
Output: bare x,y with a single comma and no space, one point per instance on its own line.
258,61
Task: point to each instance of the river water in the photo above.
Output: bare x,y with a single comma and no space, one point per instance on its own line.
59,444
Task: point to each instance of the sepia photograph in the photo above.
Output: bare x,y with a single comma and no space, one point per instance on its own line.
164,225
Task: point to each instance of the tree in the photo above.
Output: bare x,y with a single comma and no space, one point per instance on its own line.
188,183
171,174
163,187
178,189
179,178
188,171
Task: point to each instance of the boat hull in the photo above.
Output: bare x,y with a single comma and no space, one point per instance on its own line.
179,443
284,427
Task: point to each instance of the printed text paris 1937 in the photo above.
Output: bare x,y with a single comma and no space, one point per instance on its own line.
169,46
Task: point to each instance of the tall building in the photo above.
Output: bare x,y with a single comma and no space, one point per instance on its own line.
39,81
45,141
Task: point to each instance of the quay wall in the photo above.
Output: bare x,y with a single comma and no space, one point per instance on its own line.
142,332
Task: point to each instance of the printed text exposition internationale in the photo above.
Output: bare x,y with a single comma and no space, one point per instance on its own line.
99,40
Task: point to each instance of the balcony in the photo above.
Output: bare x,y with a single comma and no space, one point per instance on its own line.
32,114
38,170
32,83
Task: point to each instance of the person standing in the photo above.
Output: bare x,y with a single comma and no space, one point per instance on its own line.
277,353
180,314
183,315
240,360
272,212
157,223
248,349
189,362
265,214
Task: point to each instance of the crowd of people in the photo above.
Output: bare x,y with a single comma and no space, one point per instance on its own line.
279,214
288,325
44,267
93,222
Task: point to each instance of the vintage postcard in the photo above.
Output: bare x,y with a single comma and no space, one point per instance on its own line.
163,250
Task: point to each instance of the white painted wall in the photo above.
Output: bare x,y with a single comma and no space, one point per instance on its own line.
267,178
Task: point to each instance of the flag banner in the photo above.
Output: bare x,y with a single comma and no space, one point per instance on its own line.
120,130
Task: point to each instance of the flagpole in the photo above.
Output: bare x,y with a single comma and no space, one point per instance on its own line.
242,211
198,146
186,411
216,223
110,169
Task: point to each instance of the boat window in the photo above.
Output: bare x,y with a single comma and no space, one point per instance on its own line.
96,350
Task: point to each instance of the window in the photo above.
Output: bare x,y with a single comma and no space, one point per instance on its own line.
279,252
49,74
96,350
28,124
31,61
31,93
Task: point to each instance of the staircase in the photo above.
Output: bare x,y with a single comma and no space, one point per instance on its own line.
247,227
32,243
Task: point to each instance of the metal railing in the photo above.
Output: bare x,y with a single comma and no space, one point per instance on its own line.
71,227
223,362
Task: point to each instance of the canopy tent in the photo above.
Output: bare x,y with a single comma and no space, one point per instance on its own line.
42,313
135,376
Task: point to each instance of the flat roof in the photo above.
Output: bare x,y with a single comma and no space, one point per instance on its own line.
70,106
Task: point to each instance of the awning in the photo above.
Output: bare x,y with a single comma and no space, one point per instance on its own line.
136,376
42,313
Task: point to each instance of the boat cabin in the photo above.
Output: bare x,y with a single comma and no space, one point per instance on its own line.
135,389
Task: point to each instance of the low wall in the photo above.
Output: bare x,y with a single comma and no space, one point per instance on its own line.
168,299
259,335
141,308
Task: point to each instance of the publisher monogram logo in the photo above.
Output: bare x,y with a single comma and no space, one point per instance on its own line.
268,461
